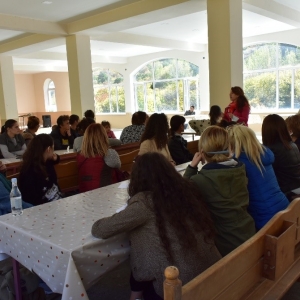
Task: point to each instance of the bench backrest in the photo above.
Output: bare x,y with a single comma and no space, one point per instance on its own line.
123,149
67,176
267,263
127,160
193,146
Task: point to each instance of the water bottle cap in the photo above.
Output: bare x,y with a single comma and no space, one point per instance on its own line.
14,180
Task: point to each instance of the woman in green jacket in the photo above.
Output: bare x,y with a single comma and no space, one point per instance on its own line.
223,184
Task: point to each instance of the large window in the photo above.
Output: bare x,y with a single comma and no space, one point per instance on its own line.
49,96
108,91
272,76
167,85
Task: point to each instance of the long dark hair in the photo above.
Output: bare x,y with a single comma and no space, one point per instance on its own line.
8,124
177,202
214,113
274,130
242,100
175,122
157,128
33,158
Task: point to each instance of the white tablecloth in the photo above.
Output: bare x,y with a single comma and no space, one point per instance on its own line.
54,240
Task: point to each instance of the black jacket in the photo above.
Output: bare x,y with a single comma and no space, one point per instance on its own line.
178,149
61,142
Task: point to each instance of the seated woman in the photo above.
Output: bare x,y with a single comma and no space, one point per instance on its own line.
239,109
134,132
12,143
223,184
265,196
215,115
275,136
177,144
33,125
98,165
155,137
293,125
37,179
168,224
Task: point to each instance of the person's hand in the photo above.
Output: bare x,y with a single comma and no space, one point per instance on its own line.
173,162
230,115
197,159
69,132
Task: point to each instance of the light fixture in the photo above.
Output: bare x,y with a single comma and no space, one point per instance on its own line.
47,2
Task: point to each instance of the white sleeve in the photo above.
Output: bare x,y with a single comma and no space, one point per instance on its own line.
5,152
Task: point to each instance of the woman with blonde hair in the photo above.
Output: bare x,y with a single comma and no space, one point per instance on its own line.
223,184
97,164
265,196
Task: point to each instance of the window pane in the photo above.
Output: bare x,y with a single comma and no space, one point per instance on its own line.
102,77
115,78
121,98
181,95
145,74
257,57
193,93
297,89
150,98
166,96
165,69
289,55
51,85
51,97
260,89
113,99
139,96
187,69
102,100
285,88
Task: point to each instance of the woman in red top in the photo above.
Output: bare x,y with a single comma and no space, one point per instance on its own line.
238,110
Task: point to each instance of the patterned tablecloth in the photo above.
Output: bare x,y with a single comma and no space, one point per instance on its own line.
55,242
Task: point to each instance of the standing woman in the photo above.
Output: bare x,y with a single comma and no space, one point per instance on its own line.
12,143
155,137
168,224
97,164
275,136
37,179
239,109
265,196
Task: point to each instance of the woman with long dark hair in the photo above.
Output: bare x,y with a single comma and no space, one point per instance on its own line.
38,180
239,109
275,135
215,115
12,143
155,137
168,224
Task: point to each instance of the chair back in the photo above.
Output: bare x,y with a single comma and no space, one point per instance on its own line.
199,125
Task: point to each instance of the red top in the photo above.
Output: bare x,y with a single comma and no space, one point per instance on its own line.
243,115
111,135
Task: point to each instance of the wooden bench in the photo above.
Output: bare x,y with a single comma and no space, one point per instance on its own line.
127,160
67,176
123,149
264,267
193,146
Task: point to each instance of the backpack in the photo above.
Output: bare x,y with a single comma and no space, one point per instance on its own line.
29,285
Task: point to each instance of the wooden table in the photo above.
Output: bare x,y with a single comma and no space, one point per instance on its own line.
54,240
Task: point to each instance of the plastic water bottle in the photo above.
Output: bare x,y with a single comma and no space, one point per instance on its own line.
15,199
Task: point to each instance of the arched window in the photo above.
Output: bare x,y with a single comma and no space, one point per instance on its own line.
108,91
167,85
272,76
49,95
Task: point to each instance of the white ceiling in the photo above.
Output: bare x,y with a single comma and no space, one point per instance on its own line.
183,27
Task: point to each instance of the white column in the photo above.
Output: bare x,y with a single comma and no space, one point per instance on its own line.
225,47
80,73
8,98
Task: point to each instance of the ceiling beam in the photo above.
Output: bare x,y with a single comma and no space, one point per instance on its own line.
122,12
17,23
273,10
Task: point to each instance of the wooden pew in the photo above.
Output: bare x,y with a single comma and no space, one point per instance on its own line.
127,160
67,176
264,267
126,148
193,146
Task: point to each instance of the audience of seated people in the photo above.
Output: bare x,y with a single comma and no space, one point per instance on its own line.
177,144
33,125
155,136
74,120
168,224
265,196
89,114
61,134
98,165
81,128
223,184
12,143
5,189
134,132
293,125
275,136
37,179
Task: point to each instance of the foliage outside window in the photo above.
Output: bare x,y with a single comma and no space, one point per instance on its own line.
167,85
49,95
108,91
272,76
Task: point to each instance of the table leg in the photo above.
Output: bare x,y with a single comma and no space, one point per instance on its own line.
17,279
